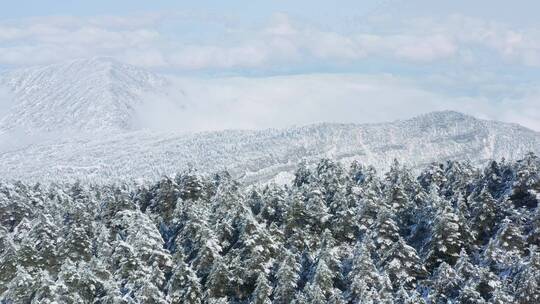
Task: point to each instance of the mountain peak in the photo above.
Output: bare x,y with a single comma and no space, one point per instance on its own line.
445,118
446,115
92,94
104,64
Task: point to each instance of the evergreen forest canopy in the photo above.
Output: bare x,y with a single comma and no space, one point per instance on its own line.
452,234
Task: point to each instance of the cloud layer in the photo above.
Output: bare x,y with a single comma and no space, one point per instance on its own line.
399,67
193,104
208,42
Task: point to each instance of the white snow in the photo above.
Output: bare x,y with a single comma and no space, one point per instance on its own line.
95,100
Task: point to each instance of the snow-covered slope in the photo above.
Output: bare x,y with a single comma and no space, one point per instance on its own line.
261,155
86,95
92,104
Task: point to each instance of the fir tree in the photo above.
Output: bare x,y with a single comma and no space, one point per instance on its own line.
183,286
363,277
287,277
262,292
450,235
528,279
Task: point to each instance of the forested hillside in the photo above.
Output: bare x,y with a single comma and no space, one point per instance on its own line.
452,234
262,155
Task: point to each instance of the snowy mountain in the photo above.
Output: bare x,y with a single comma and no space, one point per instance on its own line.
77,96
263,155
93,103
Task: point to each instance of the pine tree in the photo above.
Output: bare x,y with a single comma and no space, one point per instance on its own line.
336,237
497,177
450,235
78,243
445,284
302,175
385,233
287,277
343,219
318,215
470,295
295,223
405,297
255,201
208,253
527,185
165,197
40,245
258,250
507,246
275,206
485,216
370,205
459,179
219,279
363,277
190,185
262,292
331,179
336,297
8,259
534,231
528,279
183,286
433,176
21,288
320,287
16,204
403,265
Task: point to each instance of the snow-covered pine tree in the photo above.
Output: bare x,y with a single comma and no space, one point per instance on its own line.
445,284
262,292
183,286
287,277
486,216
507,246
363,277
528,278
218,284
403,265
527,184
449,236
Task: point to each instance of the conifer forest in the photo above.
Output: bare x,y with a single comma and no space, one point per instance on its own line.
448,233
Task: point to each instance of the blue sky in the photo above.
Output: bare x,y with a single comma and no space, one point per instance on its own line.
519,9
482,56
517,12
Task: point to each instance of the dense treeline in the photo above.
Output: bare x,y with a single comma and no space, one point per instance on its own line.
453,234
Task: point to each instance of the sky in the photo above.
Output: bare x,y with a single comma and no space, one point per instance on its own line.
479,57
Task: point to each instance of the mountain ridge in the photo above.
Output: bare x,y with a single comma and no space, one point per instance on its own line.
91,103
258,156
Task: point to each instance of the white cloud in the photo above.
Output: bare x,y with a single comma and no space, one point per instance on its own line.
525,110
200,57
426,48
283,42
53,39
140,39
194,104
6,101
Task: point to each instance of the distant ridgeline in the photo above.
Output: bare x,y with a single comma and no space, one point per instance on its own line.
453,234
